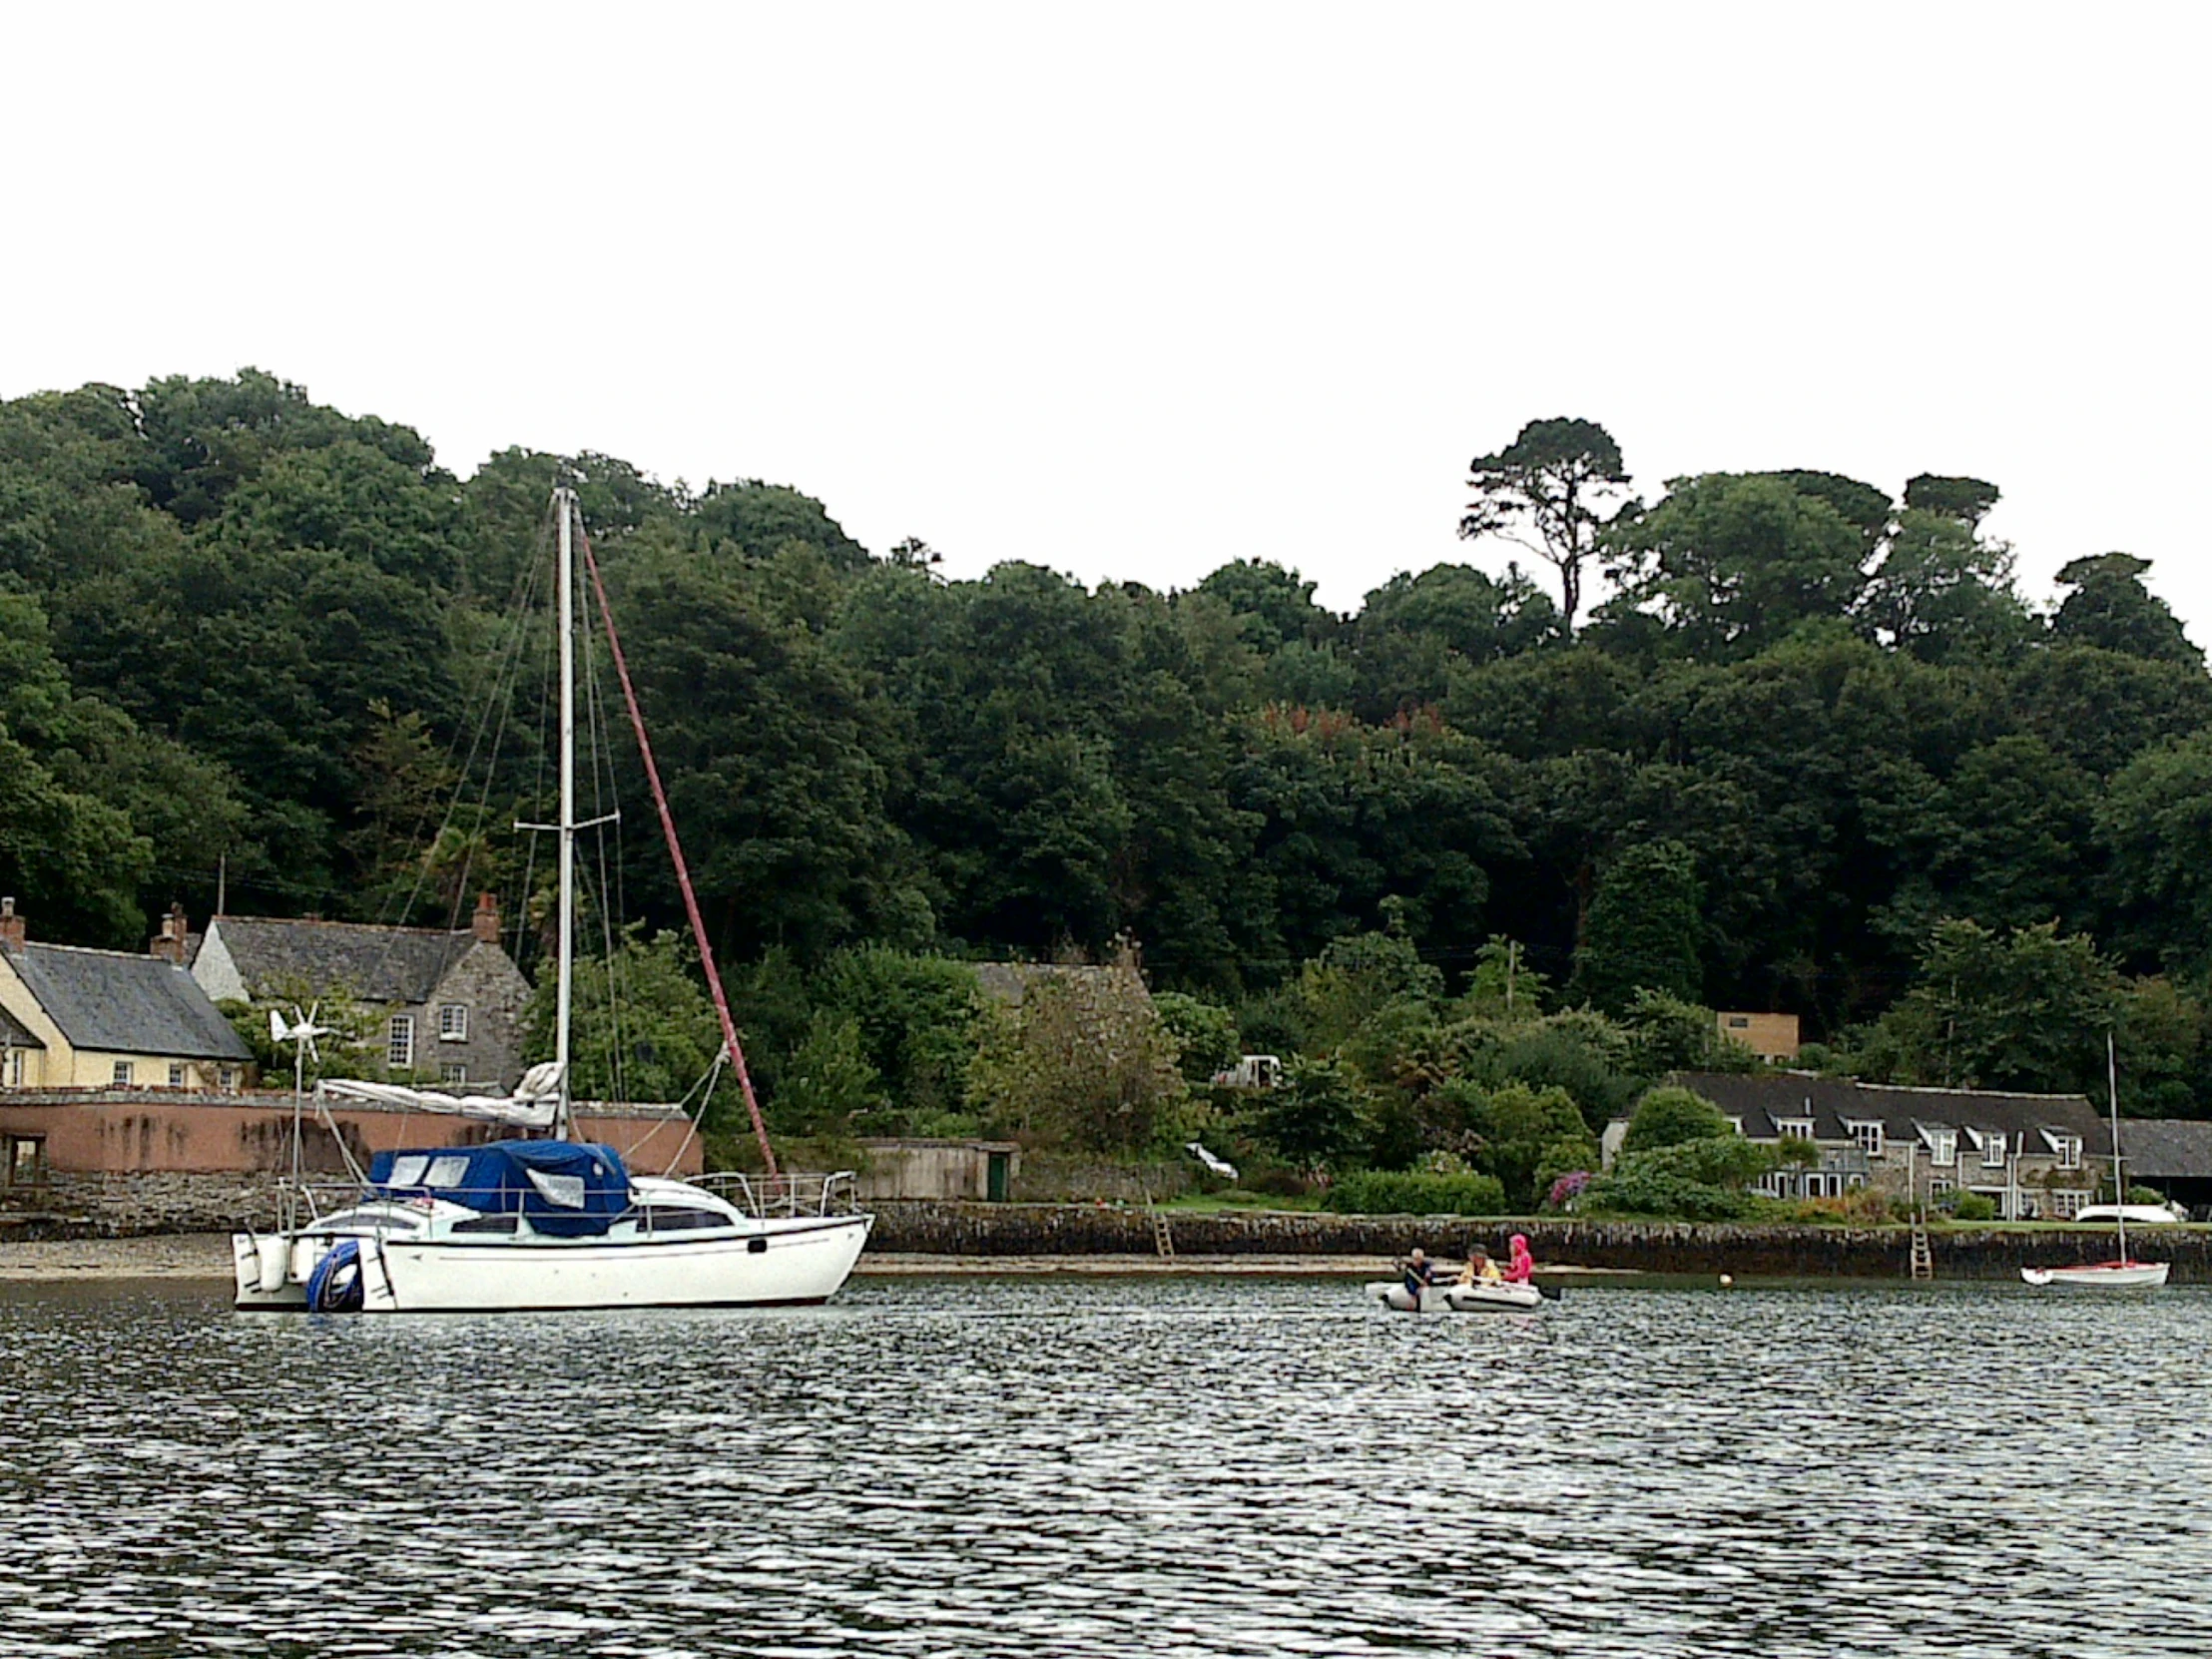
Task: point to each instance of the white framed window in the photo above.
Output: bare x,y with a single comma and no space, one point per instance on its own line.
15,1068
453,1022
1794,1129
1943,1150
2066,1203
1868,1137
1992,1150
228,1077
399,1043
1938,1184
452,1072
176,1074
123,1074
2069,1151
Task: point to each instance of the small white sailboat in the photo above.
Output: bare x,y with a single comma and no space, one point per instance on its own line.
560,1223
2121,1274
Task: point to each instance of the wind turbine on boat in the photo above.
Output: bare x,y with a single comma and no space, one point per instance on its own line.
300,1032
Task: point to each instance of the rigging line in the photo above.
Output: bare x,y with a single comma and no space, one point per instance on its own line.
682,871
497,704
452,748
692,1120
604,798
505,679
500,700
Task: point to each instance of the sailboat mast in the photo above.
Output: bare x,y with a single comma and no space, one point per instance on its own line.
565,590
2112,1092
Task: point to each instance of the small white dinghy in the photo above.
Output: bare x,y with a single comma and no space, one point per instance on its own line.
2101,1276
1459,1299
2124,1274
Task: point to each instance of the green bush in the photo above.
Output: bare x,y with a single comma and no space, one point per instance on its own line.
1407,1193
1697,1180
1973,1207
1669,1116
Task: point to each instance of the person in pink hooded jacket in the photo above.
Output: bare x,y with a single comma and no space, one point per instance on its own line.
1518,1270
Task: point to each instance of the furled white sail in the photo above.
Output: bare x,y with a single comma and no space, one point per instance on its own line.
537,1098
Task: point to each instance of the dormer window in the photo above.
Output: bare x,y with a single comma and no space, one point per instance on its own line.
1992,1149
1943,1147
1794,1129
2068,1148
1869,1136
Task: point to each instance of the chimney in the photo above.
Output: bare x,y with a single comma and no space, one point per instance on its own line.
485,922
11,924
169,947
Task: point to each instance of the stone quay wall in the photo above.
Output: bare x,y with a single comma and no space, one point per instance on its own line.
986,1230
155,1202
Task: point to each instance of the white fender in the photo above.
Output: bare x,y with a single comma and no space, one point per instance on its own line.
273,1251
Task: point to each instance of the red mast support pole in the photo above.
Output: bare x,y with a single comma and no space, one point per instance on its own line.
683,871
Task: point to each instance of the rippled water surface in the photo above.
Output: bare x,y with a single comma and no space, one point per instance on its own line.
1093,1467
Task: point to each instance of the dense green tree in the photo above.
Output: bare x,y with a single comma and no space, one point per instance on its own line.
1520,1129
1945,594
1414,631
2026,1010
1274,607
2111,609
2154,824
1205,1036
1731,563
1643,926
643,1028
1317,1119
916,1018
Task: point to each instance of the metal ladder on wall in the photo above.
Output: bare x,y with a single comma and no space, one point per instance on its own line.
1161,1240
1923,1259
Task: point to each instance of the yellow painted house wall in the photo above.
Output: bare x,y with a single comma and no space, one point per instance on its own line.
59,1066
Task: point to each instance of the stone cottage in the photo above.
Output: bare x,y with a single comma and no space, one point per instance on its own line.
2034,1155
449,1001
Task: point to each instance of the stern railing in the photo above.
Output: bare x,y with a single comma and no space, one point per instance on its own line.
766,1197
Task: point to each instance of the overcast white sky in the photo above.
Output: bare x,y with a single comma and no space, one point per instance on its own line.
1132,291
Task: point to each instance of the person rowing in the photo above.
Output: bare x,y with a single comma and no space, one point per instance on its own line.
1417,1274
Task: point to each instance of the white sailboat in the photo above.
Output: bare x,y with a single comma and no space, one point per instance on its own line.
559,1223
2121,1274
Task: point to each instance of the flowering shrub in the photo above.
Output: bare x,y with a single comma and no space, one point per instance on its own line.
1566,1189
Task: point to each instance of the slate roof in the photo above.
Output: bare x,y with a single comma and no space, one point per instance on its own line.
126,1004
2167,1148
1832,1103
378,964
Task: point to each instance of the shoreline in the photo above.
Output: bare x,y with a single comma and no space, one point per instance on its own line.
206,1257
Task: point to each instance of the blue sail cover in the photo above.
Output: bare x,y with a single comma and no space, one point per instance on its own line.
570,1189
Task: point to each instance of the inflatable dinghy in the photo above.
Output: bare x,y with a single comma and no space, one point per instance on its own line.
1460,1299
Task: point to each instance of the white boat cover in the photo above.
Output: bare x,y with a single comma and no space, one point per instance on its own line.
532,1106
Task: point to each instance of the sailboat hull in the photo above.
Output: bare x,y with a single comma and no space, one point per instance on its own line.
2101,1276
781,1263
